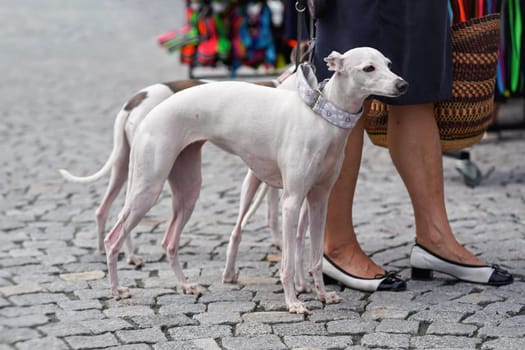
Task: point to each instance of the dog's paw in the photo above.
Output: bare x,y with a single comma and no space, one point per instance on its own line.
121,293
136,260
331,298
298,307
303,287
229,277
193,289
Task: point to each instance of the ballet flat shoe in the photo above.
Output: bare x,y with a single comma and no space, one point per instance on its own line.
387,282
424,262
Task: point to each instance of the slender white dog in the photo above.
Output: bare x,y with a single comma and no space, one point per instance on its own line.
126,123
128,119
279,135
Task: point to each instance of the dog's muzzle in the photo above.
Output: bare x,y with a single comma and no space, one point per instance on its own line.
401,86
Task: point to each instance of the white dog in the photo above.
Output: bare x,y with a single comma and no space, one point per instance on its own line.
290,139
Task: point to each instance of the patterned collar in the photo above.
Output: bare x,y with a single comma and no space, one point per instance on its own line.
311,93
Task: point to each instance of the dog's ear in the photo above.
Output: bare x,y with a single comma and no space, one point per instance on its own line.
334,61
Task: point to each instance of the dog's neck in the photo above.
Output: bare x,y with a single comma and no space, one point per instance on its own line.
313,95
343,93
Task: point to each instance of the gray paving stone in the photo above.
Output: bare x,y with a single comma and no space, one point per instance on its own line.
128,311
13,335
38,298
504,343
218,318
263,342
105,325
318,342
131,347
272,317
14,311
445,328
386,340
24,321
444,342
64,329
43,343
247,329
172,320
354,326
146,335
482,318
243,306
199,332
172,309
78,305
301,328
196,344
434,315
92,341
500,332
79,315
398,326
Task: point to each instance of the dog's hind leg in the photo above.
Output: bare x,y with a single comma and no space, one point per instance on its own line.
291,205
272,215
317,208
185,183
137,205
300,282
249,187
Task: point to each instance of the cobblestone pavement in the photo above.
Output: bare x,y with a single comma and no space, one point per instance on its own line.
67,67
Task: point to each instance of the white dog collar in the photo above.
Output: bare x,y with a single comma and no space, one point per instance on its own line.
311,94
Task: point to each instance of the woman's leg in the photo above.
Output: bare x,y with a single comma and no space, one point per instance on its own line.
340,243
413,141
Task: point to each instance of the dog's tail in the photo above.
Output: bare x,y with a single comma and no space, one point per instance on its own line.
255,205
118,140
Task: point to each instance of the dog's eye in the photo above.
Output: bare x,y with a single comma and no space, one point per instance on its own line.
369,69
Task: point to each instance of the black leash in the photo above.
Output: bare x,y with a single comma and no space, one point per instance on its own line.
300,7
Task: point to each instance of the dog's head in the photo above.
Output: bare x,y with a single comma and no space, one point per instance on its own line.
367,70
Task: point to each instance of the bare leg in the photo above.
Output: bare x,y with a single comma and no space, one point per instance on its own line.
300,282
249,187
340,242
413,141
272,215
291,207
185,184
317,206
137,205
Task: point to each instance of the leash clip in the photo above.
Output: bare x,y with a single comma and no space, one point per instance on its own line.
300,6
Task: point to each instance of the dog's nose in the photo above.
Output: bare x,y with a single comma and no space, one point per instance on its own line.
401,86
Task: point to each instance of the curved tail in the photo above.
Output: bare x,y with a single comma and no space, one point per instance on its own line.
255,205
118,139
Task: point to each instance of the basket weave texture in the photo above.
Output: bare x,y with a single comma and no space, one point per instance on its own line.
463,119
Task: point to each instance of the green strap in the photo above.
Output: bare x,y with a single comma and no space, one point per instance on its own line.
515,26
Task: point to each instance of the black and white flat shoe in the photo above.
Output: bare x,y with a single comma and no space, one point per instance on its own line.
387,282
424,262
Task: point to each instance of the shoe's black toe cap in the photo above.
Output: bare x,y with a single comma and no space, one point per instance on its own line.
500,277
392,283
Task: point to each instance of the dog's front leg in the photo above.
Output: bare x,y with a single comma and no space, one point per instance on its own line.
317,209
290,209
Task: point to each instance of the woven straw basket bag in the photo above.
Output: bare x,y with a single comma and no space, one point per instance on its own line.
463,119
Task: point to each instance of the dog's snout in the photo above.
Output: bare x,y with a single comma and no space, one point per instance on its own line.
401,86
